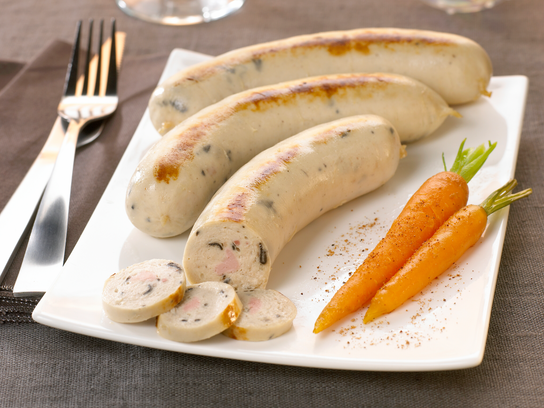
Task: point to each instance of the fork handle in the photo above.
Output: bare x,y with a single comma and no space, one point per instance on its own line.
44,255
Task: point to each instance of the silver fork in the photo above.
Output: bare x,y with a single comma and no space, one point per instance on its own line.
44,255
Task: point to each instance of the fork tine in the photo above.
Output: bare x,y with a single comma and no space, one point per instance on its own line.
99,64
111,86
71,75
88,59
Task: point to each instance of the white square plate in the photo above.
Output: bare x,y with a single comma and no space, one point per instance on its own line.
443,328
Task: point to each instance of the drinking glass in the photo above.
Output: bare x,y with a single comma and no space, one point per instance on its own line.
179,12
462,6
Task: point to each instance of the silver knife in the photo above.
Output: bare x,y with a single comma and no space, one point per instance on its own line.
16,215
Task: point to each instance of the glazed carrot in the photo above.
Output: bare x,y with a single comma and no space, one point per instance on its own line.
460,232
435,201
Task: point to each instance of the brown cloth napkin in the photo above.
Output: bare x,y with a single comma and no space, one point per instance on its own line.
8,70
28,109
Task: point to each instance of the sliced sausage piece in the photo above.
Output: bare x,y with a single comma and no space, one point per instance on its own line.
206,310
261,207
266,314
143,291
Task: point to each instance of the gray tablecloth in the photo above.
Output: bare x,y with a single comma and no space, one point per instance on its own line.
42,366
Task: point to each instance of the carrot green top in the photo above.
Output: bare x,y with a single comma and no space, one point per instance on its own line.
502,197
469,161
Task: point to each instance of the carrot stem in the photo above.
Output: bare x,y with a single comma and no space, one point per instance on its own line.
502,197
469,161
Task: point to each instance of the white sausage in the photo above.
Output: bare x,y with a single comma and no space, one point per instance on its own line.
251,218
206,310
456,67
182,171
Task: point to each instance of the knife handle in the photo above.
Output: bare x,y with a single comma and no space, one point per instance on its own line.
16,215
44,254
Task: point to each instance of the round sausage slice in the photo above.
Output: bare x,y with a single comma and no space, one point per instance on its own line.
206,310
266,314
143,291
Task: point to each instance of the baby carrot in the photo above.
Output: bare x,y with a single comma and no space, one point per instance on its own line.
460,232
435,201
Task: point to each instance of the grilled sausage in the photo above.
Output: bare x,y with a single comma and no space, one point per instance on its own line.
263,205
456,67
181,172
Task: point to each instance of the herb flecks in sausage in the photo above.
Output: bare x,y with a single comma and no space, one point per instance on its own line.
207,148
149,290
217,244
178,105
258,63
268,204
174,265
263,258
